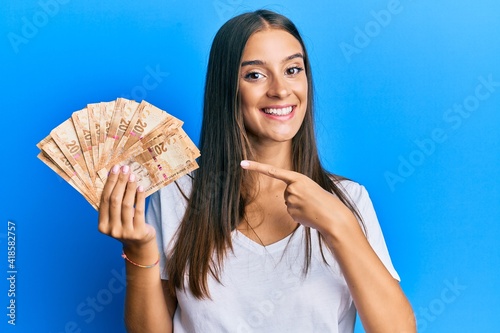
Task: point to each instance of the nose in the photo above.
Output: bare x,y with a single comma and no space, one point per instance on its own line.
278,88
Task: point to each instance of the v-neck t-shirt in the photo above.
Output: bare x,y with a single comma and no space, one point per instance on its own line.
263,288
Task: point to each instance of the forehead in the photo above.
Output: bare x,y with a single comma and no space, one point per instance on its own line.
271,44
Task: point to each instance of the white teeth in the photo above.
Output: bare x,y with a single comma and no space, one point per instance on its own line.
279,112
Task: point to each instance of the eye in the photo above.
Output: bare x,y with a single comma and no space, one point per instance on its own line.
253,76
293,71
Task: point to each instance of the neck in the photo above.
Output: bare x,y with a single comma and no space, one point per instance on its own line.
277,154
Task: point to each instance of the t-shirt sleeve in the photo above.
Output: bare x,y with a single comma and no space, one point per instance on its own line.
153,217
165,212
375,237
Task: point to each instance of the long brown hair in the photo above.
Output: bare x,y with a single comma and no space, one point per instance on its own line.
216,204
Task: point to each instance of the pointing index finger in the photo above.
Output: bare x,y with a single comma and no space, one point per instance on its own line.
286,176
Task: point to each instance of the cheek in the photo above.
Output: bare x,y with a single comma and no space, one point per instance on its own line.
302,91
250,120
245,104
248,107
245,112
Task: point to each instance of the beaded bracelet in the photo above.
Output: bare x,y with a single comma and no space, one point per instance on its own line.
124,256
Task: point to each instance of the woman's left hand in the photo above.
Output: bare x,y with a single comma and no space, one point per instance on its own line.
307,202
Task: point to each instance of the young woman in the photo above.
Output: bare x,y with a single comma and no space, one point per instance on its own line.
261,238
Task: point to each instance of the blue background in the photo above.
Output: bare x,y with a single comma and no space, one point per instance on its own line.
386,89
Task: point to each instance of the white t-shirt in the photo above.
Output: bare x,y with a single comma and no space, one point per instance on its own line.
263,289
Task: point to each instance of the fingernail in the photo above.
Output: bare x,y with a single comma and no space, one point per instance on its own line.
125,169
140,189
245,163
131,178
115,169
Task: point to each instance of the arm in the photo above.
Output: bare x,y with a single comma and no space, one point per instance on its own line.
121,216
148,307
381,304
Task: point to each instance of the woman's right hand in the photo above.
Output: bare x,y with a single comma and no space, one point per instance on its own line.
122,216
122,211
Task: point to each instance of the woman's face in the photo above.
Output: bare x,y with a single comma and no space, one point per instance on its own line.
272,86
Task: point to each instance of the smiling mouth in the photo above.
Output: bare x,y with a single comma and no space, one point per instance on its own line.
278,111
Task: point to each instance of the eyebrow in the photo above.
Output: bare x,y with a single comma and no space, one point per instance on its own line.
260,62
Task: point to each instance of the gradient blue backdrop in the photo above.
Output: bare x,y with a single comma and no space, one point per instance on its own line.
408,104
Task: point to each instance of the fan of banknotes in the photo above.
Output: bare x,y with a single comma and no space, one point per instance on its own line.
152,142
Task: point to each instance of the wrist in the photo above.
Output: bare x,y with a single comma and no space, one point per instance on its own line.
341,230
124,256
144,254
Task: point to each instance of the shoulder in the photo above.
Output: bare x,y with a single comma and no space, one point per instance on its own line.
174,193
167,206
360,199
354,190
